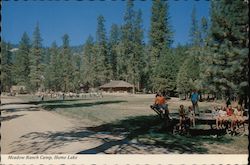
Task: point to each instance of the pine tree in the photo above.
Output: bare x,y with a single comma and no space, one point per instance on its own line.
67,65
77,72
166,73
160,39
6,67
207,58
145,83
114,40
135,63
195,34
46,56
130,49
22,64
121,68
53,74
183,81
89,62
139,50
103,68
126,46
204,31
36,76
229,49
195,51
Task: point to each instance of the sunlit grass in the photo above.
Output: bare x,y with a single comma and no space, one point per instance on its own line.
133,114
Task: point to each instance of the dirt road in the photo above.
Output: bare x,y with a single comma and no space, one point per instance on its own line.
28,129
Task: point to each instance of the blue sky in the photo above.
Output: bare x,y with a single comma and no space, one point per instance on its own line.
79,18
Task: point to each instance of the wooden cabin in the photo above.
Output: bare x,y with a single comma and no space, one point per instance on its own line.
117,86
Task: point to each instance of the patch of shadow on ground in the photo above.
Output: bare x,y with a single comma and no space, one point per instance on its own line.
105,146
19,109
150,130
45,101
10,117
54,106
40,142
140,131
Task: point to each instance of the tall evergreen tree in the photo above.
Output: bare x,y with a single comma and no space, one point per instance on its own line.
136,64
6,67
195,34
103,67
145,85
22,64
121,67
166,73
160,38
139,48
67,65
89,62
36,76
130,49
77,63
114,40
192,63
229,48
46,56
204,31
53,74
126,47
184,85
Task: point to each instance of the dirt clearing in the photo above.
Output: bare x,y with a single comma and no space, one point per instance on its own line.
113,124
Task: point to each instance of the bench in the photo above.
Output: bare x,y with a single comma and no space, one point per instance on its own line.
205,118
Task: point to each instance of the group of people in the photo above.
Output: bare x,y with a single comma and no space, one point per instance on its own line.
229,117
226,117
186,116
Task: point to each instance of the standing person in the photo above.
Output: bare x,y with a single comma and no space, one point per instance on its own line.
191,116
181,117
42,97
63,95
195,99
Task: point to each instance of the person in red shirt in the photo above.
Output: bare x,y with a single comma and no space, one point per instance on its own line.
230,110
231,117
160,103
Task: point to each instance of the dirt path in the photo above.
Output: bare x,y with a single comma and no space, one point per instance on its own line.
28,129
36,131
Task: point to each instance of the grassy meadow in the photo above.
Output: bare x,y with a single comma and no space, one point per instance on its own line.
131,114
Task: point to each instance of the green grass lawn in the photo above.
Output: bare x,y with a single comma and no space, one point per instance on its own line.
101,111
133,114
107,109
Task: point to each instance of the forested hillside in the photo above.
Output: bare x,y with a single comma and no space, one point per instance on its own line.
215,61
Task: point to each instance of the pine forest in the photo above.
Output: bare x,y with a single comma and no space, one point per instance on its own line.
214,61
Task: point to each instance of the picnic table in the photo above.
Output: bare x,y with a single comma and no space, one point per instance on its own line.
205,117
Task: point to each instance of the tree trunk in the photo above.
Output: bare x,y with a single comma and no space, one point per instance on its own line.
138,86
133,88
